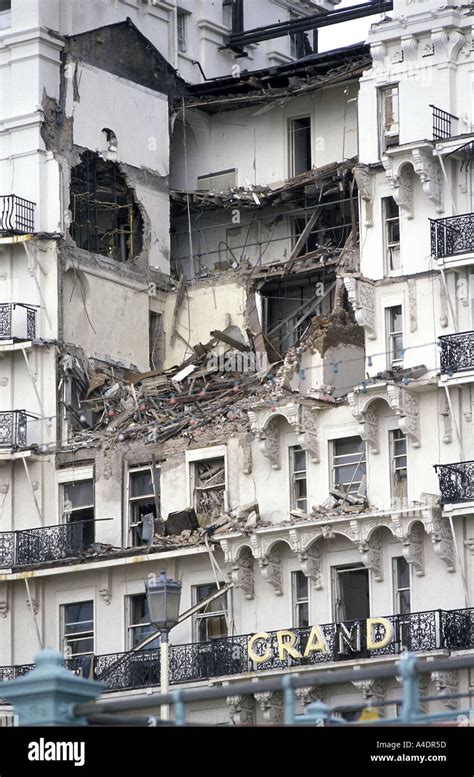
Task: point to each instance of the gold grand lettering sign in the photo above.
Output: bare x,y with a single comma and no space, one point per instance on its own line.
347,637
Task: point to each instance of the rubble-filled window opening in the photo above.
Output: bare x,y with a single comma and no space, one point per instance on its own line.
391,220
181,29
156,340
398,461
389,118
351,593
401,585
300,594
105,216
299,145
394,328
139,626
299,492
143,502
348,464
77,621
208,481
78,507
210,622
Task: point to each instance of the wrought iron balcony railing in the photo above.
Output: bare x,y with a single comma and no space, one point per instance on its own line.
457,352
17,215
46,543
17,430
456,482
417,631
442,123
17,321
452,236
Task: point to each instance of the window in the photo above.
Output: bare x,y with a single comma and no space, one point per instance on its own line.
391,218
208,482
210,622
78,629
389,120
394,335
181,25
143,501
300,594
139,626
298,478
78,508
299,144
5,5
237,14
351,594
398,460
401,586
348,464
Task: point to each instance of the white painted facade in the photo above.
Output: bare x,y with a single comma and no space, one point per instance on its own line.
103,309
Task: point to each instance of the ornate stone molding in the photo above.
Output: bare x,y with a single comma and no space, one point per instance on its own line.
242,572
242,710
443,303
362,298
447,420
447,46
378,52
310,561
371,553
368,421
364,181
428,169
412,304
412,549
405,405
246,445
271,705
409,48
373,691
270,443
105,590
4,608
447,684
309,695
270,567
401,181
308,439
443,544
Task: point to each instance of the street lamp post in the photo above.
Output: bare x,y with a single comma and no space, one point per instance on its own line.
163,597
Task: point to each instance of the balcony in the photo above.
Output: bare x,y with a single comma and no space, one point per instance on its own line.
17,322
456,482
44,544
443,123
417,631
452,240
457,353
17,215
19,430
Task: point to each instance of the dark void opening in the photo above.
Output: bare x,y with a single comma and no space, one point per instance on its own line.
105,216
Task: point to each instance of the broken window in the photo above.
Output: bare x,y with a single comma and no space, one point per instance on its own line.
299,144
78,508
300,593
75,385
398,460
144,503
208,478
139,626
299,495
394,318
78,628
391,218
389,120
348,464
210,622
156,340
105,216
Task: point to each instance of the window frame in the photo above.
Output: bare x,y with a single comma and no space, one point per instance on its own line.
63,635
383,133
294,478
392,334
137,500
202,615
334,467
183,15
394,436
390,245
290,133
297,604
69,476
206,454
397,589
131,627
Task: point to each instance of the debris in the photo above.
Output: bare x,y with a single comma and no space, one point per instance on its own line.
182,520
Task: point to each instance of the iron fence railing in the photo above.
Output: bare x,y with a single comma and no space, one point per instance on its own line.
457,352
17,215
456,482
452,236
415,632
17,321
45,543
442,123
15,429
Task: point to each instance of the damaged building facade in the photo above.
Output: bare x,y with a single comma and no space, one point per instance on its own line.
236,345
